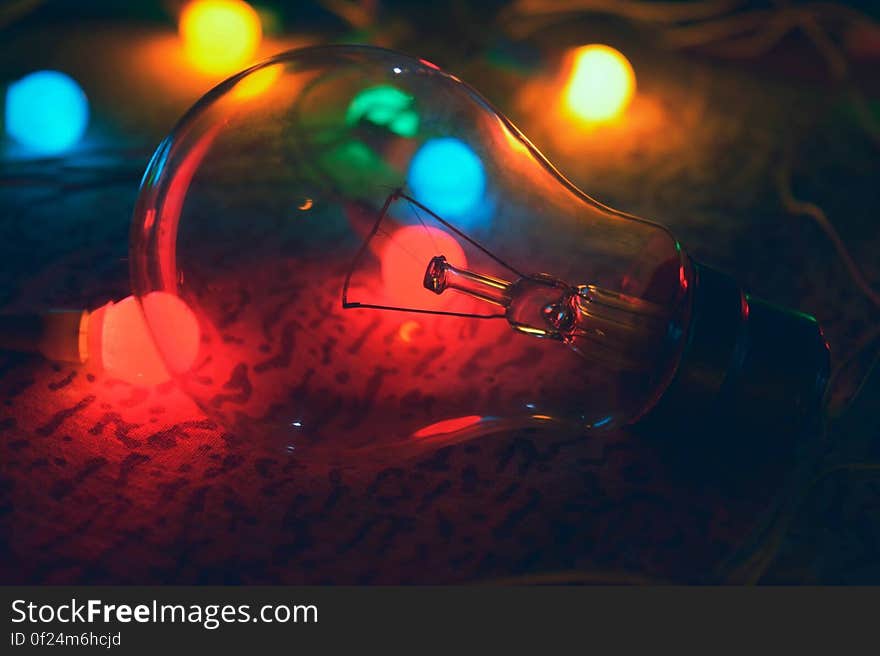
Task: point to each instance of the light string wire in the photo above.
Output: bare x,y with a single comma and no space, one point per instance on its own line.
751,560
783,513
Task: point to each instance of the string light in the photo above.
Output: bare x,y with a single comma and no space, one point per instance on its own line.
448,177
123,346
386,106
220,36
47,112
113,339
601,84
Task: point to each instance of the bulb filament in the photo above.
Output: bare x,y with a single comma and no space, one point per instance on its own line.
620,330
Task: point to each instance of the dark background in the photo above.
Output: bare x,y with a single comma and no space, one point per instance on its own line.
737,111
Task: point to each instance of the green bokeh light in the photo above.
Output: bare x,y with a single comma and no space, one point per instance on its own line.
386,106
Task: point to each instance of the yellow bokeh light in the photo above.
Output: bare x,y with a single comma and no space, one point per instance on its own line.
220,36
601,84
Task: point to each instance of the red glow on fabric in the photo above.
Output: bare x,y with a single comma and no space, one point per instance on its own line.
448,426
682,277
121,344
405,258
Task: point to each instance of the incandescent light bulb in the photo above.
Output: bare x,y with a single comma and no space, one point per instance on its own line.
377,257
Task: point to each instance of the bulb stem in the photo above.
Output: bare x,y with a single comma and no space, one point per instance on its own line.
622,331
441,275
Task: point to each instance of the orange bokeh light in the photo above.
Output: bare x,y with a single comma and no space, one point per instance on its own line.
601,83
220,36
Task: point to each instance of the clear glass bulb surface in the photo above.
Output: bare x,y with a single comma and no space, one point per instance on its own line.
375,257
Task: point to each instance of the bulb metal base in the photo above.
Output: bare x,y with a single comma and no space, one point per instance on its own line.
746,364
58,335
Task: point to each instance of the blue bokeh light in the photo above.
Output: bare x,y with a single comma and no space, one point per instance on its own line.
446,176
47,112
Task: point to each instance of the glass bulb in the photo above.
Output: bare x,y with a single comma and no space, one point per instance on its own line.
377,258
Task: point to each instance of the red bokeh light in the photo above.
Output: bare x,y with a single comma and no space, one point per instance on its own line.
175,330
405,258
121,344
